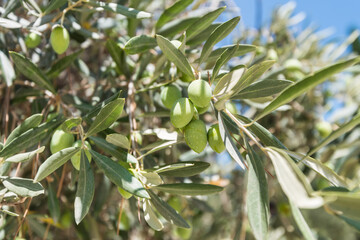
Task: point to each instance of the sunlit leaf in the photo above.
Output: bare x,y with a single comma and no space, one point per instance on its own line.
106,116
172,11
305,84
292,181
257,195
23,187
54,162
217,35
175,55
23,157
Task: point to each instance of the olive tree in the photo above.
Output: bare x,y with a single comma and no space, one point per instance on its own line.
108,109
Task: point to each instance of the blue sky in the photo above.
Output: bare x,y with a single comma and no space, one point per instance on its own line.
340,15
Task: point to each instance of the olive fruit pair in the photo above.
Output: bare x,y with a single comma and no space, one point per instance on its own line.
59,39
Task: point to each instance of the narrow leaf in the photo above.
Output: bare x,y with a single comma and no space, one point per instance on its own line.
305,84
217,35
167,212
54,4
117,8
320,168
118,140
203,23
23,187
118,55
31,71
337,133
172,11
229,144
182,169
202,36
263,88
224,58
113,150
228,81
175,55
176,26
301,222
71,123
189,189
343,203
7,69
54,205
119,175
9,24
251,75
257,195
23,157
30,122
140,44
292,180
107,116
157,146
54,162
29,138
151,218
262,133
95,110
62,64
241,50
85,189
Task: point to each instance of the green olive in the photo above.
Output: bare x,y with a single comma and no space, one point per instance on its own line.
214,139
182,112
61,140
202,110
75,159
195,135
293,65
272,55
169,95
200,93
59,39
32,40
324,129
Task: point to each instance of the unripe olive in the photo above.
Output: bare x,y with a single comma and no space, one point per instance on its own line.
61,140
59,39
214,139
75,159
324,129
200,93
202,110
182,112
231,107
32,40
293,64
195,135
169,95
272,55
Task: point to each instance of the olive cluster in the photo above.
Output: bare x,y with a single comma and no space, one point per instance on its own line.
59,39
185,111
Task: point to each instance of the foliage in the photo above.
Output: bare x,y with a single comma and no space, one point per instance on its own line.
105,89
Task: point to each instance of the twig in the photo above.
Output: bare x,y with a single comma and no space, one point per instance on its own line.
61,181
119,218
22,220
